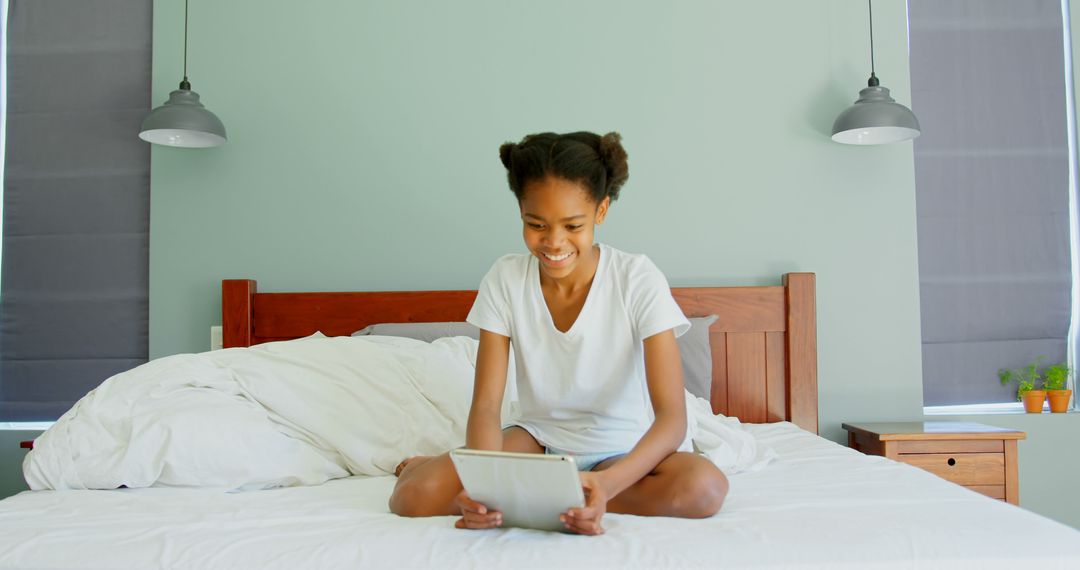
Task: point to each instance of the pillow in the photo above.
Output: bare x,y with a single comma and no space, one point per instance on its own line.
426,332
696,356
694,349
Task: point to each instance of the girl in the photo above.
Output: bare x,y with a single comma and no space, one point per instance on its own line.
593,332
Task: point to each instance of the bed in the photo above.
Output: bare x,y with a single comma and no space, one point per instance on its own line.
764,343
816,505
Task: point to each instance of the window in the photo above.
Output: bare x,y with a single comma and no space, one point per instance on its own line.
994,169
74,261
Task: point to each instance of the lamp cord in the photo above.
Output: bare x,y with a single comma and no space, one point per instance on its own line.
873,77
186,20
184,84
869,8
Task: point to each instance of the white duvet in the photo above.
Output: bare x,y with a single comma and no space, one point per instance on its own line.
291,413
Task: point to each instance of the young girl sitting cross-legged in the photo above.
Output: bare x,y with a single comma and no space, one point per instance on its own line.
593,333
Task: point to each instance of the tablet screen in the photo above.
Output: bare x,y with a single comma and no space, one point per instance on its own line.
531,490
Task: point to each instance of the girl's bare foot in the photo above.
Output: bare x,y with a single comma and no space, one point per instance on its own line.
409,461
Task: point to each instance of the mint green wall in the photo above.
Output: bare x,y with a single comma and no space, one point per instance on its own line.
363,155
11,458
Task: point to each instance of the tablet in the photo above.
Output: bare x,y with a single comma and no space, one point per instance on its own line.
531,490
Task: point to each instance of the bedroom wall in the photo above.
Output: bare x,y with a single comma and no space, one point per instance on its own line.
363,139
362,156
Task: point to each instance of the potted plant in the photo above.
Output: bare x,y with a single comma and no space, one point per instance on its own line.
1026,378
1056,377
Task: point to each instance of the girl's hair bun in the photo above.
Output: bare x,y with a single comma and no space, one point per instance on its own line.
613,155
597,162
504,153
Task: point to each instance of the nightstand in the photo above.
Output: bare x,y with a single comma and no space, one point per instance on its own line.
979,457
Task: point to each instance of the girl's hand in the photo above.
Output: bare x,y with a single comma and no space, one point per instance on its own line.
587,520
475,515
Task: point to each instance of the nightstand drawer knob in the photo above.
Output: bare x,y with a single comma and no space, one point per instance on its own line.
951,462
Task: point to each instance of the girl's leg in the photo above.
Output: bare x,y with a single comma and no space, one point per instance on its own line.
683,485
427,486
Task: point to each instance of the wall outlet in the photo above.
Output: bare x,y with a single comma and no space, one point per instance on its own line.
217,338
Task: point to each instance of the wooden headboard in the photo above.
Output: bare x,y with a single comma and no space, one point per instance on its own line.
764,343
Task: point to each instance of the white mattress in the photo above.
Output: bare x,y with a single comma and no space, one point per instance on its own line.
819,505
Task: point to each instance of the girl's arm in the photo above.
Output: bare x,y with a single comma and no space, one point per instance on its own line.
663,374
483,430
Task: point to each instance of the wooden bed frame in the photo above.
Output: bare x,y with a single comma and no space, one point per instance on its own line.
764,343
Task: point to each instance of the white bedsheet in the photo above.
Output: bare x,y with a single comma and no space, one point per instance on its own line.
818,505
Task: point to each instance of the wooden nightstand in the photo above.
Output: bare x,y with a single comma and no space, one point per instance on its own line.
979,457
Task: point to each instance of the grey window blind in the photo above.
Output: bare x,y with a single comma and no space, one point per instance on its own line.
74,276
992,178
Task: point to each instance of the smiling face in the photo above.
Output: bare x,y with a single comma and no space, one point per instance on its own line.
559,220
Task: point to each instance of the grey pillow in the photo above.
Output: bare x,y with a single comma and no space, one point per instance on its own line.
694,349
426,332
696,355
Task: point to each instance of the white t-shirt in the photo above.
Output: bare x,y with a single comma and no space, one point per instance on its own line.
582,391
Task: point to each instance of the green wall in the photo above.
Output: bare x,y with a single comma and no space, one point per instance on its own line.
362,156
11,457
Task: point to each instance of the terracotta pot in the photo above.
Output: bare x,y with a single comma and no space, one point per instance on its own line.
1033,401
1059,400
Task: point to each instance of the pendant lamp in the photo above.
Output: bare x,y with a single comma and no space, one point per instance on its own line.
183,121
875,118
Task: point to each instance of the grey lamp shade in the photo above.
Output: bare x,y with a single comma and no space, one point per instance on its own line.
875,118
183,121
